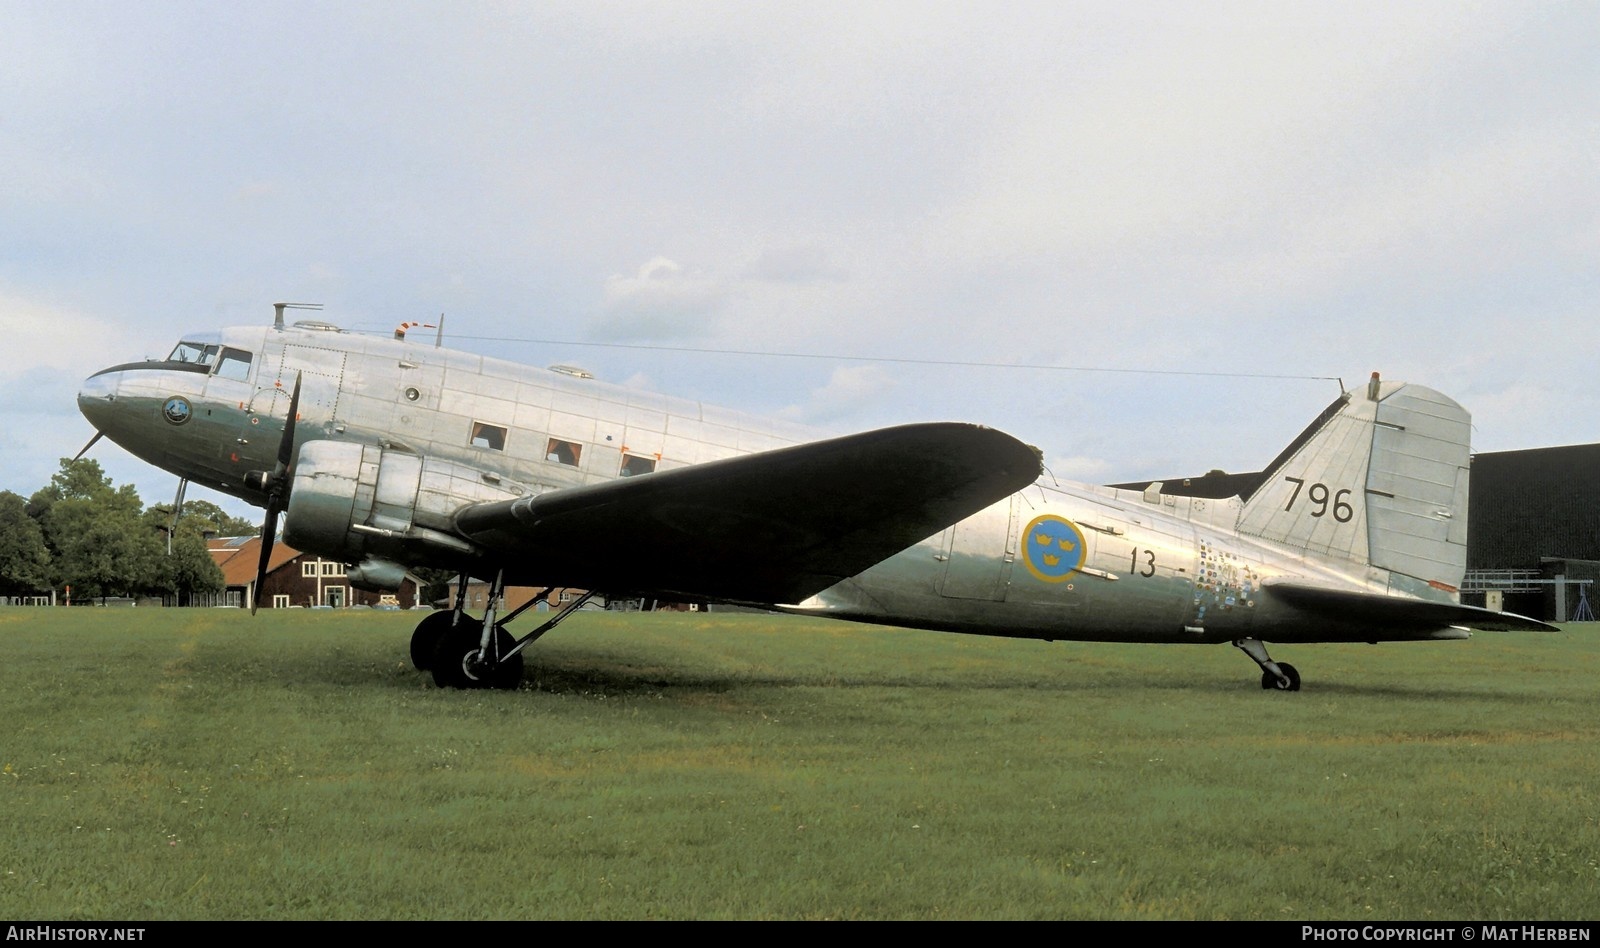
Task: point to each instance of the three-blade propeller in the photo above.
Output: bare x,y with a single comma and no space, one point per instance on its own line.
276,485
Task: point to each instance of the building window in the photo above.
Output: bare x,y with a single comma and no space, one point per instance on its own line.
633,464
280,601
492,437
308,569
563,452
332,569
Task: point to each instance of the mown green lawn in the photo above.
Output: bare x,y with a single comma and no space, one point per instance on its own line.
203,764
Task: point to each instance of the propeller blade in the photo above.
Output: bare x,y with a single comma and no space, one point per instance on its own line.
269,533
97,436
286,446
277,493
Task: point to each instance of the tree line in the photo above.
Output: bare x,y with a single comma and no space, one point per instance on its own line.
83,532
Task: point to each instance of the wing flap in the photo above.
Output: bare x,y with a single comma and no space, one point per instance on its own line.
1396,612
772,527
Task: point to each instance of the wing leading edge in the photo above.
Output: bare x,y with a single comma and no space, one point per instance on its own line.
1395,613
772,527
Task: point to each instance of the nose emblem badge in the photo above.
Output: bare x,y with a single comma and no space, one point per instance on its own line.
176,410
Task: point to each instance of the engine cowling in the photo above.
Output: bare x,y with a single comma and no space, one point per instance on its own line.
380,507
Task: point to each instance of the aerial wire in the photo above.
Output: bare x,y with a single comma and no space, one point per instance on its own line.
898,360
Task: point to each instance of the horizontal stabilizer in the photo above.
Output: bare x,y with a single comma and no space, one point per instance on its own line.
1389,613
771,527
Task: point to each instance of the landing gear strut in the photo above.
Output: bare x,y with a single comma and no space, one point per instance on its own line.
470,654
1275,676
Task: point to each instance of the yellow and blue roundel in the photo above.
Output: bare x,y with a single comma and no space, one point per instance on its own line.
1053,548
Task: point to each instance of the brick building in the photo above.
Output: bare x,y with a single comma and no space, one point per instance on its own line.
297,579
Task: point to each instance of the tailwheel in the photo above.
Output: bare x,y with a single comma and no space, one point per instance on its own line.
1275,676
425,640
459,662
1289,682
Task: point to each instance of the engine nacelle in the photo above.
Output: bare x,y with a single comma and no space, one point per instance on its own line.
375,575
380,507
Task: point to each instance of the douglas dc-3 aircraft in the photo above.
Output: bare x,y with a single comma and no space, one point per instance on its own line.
385,453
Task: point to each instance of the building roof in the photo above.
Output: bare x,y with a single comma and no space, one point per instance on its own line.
240,557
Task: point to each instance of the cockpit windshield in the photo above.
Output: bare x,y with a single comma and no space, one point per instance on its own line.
224,361
196,352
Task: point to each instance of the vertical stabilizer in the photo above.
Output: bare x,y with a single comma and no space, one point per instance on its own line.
1379,480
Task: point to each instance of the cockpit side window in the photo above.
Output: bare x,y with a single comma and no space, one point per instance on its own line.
234,364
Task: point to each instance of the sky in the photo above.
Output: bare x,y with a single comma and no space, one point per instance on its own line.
1153,239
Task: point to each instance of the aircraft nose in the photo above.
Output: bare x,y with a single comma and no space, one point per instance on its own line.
97,398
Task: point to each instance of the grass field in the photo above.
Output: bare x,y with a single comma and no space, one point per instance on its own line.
201,764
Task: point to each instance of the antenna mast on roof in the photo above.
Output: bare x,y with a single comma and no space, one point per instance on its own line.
278,308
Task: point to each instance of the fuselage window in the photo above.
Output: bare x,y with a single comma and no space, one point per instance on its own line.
633,464
563,452
492,437
234,364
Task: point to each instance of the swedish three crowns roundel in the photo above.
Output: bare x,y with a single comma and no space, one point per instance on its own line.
1052,548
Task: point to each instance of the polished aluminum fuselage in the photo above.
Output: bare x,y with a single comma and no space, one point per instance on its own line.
1055,561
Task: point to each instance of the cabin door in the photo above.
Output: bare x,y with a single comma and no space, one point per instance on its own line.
979,552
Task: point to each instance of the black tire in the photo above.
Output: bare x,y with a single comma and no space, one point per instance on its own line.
451,668
449,658
1271,682
425,640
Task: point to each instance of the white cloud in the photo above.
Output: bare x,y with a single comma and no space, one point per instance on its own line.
661,301
45,336
850,390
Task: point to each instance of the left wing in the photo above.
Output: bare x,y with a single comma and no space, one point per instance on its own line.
1397,613
772,527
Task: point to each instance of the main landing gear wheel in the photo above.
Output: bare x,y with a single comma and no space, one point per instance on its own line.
459,663
425,640
1271,682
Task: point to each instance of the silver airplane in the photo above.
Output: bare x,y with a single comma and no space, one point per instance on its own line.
385,453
